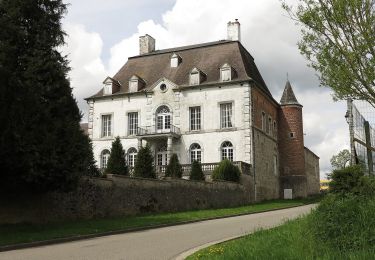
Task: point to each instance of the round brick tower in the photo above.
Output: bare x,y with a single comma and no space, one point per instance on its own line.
291,146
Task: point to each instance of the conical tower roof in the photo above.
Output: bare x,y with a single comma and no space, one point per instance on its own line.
288,97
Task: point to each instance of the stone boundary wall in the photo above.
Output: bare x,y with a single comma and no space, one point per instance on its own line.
125,196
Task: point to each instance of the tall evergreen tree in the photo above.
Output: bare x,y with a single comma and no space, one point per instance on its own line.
116,162
144,165
196,172
42,147
174,168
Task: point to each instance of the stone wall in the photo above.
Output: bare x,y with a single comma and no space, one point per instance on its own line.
266,172
125,196
312,172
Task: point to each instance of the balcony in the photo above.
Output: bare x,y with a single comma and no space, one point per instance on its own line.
152,131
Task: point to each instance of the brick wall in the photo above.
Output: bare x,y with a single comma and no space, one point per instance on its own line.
312,172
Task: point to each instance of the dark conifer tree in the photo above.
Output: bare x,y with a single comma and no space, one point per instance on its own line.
144,165
174,168
116,162
42,147
196,172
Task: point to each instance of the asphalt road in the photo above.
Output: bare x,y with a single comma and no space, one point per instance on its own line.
161,243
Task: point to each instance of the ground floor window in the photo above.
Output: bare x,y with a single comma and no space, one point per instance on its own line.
195,153
227,151
104,156
132,156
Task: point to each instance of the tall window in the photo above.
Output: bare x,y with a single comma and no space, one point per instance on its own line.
263,121
104,156
195,153
226,115
227,151
106,125
275,168
163,118
132,156
269,126
132,123
195,118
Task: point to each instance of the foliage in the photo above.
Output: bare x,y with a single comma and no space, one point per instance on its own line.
174,168
340,160
226,171
144,164
196,172
345,180
93,170
116,161
42,147
338,41
345,222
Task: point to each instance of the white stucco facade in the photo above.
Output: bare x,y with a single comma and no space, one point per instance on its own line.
210,137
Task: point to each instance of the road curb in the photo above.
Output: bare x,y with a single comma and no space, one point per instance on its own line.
129,230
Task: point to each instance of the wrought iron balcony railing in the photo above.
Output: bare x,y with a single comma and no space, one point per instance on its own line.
153,130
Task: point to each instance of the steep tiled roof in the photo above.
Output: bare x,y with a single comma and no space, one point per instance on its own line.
288,97
207,57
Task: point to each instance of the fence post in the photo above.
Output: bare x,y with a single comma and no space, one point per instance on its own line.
368,145
351,130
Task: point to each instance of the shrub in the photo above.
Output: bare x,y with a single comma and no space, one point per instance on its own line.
344,222
196,172
226,171
346,180
144,164
116,161
174,168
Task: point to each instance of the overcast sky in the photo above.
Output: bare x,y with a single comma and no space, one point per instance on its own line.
102,34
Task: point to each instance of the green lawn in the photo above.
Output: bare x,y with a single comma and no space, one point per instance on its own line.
22,233
288,241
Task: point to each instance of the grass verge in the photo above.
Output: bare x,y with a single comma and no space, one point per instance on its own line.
288,241
11,234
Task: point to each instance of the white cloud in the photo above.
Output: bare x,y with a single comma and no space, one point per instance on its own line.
267,34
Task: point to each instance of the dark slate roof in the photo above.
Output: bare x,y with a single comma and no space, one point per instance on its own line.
288,97
207,57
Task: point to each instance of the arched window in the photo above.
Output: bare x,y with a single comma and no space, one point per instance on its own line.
104,156
227,151
195,153
132,156
163,119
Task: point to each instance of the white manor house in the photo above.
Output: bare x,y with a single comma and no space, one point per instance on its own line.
204,102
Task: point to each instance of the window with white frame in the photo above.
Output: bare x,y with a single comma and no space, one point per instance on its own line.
106,125
195,153
195,118
104,156
227,151
132,123
132,157
226,73
194,77
226,115
108,89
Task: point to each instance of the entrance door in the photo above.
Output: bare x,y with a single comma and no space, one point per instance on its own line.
163,119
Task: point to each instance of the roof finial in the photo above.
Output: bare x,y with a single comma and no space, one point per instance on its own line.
287,76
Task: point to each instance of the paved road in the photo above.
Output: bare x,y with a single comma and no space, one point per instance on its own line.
161,243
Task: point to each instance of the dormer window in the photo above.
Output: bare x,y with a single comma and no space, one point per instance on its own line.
108,89
226,72
135,83
196,77
175,60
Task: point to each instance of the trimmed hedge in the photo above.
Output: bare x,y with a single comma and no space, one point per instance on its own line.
226,171
174,168
196,172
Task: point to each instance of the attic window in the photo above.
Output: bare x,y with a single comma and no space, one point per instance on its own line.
195,77
226,73
107,89
135,83
175,60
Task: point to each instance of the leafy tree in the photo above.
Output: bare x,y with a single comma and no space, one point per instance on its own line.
41,145
196,172
226,171
144,165
174,168
338,40
116,161
341,160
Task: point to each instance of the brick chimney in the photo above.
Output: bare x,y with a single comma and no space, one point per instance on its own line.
146,44
234,31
